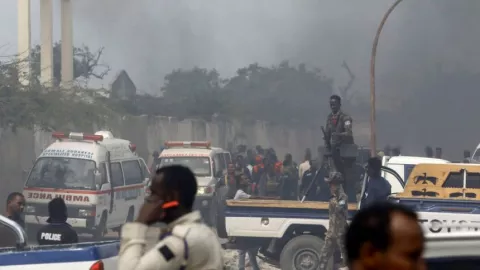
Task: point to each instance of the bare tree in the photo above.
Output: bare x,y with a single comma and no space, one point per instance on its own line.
345,90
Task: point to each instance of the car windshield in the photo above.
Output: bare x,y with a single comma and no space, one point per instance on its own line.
63,173
199,165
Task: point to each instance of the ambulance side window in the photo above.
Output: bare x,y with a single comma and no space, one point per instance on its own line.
101,169
117,174
132,172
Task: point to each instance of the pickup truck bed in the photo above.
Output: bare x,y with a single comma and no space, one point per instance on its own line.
61,257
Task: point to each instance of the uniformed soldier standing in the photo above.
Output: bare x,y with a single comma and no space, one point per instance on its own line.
337,227
187,242
338,138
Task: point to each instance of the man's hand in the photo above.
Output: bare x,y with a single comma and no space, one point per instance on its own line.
150,212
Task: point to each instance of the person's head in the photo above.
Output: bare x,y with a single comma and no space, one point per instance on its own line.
174,183
15,204
259,150
385,236
288,160
374,167
308,154
466,154
155,154
239,162
387,150
396,151
438,152
313,164
57,211
335,180
335,103
428,151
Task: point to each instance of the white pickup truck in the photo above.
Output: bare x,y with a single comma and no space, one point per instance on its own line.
290,233
83,256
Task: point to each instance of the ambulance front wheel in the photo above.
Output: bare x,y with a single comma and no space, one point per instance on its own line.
100,230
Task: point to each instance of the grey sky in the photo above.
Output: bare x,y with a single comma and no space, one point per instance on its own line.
149,38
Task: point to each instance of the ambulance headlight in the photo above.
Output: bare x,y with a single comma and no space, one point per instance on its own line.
86,212
204,190
29,209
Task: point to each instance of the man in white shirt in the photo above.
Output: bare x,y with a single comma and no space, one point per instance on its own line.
305,165
186,244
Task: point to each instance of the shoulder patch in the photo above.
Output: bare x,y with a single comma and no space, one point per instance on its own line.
166,253
348,123
341,203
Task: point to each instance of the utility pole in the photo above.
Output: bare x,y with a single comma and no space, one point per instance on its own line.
24,41
373,136
46,36
67,43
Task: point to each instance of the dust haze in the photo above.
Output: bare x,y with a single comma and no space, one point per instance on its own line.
149,38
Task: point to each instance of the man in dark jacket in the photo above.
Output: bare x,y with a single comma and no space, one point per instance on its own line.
376,188
58,231
14,211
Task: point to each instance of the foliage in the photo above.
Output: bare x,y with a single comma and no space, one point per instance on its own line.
281,94
47,108
86,63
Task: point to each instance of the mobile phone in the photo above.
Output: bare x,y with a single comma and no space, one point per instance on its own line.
171,204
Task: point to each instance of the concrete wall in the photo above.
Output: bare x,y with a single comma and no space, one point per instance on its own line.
19,149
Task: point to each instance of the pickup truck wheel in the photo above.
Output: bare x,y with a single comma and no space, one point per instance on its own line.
220,208
301,253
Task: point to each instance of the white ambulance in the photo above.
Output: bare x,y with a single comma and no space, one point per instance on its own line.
207,163
100,177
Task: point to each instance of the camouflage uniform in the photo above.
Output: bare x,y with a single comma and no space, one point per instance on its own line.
337,227
338,132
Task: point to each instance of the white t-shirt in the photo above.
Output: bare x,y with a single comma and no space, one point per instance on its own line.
241,195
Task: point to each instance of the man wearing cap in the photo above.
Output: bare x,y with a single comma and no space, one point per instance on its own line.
58,231
337,213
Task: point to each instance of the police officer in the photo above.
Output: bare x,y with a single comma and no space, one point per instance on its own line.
187,243
337,213
58,231
338,136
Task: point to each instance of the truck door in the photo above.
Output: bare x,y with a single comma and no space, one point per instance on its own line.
386,172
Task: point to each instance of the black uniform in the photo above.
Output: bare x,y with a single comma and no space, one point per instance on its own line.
57,233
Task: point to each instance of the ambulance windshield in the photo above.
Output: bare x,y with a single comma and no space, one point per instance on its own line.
199,165
63,173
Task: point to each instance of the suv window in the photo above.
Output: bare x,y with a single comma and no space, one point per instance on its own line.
455,180
117,174
132,172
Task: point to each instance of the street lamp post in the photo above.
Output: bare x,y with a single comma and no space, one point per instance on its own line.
373,137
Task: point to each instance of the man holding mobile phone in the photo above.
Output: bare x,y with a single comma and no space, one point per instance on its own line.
187,244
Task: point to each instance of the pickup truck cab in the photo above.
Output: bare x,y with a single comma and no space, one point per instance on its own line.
403,166
444,195
91,256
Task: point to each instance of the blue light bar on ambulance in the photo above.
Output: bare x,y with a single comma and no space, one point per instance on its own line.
199,144
77,136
